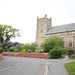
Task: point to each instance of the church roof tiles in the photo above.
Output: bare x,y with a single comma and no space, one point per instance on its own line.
61,28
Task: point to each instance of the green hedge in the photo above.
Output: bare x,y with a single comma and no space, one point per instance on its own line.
55,52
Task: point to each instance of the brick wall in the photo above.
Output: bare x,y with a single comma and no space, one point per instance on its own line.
30,55
1,56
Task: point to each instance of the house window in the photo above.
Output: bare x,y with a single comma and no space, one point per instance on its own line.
70,43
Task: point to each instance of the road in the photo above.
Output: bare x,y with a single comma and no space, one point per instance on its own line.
22,66
56,67
32,66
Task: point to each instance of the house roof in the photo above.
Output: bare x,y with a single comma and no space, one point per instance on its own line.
61,28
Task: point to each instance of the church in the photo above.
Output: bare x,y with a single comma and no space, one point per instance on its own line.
45,30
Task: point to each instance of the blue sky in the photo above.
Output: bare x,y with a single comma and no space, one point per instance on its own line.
22,14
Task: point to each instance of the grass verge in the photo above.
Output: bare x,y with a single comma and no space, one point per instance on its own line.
70,68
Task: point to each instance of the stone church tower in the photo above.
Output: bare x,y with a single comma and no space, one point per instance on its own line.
42,26
45,30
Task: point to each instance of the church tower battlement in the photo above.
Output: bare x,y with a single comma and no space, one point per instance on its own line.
42,26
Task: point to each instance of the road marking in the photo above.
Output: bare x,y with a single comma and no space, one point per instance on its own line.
46,69
17,63
5,68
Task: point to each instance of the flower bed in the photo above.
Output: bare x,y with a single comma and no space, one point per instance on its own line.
30,55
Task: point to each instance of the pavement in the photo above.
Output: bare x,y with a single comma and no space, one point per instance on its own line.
32,66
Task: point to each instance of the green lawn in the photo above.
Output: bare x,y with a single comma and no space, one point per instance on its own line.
70,68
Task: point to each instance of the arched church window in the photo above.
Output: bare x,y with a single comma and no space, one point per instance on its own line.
70,43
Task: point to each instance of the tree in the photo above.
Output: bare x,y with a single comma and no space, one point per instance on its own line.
52,42
7,32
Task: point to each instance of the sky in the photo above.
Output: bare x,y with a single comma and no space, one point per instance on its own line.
22,15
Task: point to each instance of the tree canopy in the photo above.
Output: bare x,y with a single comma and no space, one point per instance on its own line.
7,32
52,42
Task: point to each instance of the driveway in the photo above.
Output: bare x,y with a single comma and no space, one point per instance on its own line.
32,66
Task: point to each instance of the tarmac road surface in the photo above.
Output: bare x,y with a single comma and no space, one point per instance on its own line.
56,67
21,66
32,66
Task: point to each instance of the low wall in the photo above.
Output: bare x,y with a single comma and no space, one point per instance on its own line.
1,56
30,55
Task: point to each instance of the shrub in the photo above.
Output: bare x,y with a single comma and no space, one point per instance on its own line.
29,51
24,51
13,49
55,52
18,45
46,49
6,45
33,46
65,51
73,55
4,50
70,52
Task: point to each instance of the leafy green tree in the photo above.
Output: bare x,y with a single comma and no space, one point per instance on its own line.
52,42
7,32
